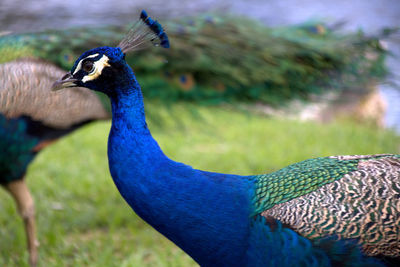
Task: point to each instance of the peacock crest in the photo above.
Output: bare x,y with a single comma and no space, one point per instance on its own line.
144,32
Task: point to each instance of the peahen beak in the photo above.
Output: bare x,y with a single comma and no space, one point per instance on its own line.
66,81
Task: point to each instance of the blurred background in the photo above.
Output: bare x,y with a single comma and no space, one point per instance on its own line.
370,16
247,87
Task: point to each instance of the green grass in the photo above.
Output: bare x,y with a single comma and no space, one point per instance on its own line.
82,220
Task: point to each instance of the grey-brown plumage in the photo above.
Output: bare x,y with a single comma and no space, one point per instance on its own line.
363,205
25,90
31,117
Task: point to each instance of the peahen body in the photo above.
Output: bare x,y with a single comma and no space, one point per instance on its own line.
30,119
333,211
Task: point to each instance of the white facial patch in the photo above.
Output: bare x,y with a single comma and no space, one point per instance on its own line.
98,67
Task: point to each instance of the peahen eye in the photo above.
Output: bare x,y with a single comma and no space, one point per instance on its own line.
88,66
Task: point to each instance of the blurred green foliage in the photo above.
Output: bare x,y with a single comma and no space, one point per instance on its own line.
82,219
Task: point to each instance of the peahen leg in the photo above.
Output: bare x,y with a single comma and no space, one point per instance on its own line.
26,208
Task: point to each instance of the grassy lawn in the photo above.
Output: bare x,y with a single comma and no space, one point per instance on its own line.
82,220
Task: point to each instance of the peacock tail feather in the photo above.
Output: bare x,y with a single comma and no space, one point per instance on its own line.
215,57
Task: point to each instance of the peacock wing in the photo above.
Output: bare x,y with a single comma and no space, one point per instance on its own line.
351,197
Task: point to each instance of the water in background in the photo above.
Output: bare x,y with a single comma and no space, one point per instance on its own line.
372,15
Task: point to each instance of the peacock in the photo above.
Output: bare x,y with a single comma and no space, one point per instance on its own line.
31,119
330,211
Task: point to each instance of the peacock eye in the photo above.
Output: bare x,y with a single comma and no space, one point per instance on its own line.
88,66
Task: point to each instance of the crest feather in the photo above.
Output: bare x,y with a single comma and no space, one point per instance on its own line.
144,32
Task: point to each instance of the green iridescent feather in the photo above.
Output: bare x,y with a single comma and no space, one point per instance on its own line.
16,148
300,179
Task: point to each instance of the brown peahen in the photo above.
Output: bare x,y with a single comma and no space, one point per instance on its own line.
30,119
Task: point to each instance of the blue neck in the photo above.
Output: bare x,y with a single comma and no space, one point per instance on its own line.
199,211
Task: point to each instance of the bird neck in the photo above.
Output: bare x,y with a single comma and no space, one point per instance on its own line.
196,210
127,105
130,139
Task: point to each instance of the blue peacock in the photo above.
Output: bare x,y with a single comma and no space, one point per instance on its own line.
331,211
31,118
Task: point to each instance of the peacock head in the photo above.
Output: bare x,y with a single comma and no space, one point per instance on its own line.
104,68
98,69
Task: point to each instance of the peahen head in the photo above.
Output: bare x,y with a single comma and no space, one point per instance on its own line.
104,68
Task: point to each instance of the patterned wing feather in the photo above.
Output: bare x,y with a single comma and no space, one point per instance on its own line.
362,203
298,179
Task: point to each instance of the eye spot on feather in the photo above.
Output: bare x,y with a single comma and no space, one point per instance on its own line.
68,58
185,81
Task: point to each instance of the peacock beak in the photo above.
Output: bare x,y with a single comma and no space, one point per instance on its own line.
66,81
